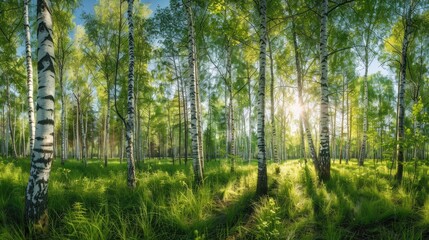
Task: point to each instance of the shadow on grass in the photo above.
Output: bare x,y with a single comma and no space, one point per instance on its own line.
359,206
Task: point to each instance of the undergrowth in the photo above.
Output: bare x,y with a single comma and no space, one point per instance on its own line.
94,202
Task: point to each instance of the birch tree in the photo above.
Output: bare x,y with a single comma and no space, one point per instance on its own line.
262,183
36,212
193,85
131,180
408,10
324,162
29,76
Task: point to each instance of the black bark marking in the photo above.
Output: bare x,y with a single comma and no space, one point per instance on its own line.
39,150
50,67
46,122
49,97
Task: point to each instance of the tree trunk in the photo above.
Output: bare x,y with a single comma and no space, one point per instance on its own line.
193,86
324,155
29,76
180,112
36,212
230,109
170,134
249,137
185,120
349,125
83,133
401,96
9,120
63,122
106,126
149,152
342,121
131,175
77,149
334,133
303,114
362,155
273,124
262,183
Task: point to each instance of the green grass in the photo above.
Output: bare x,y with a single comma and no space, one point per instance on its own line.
94,202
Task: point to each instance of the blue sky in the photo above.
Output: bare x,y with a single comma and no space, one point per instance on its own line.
88,7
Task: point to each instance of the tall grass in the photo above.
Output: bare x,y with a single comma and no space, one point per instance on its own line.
94,202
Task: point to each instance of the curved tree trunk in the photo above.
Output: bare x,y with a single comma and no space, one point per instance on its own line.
131,176
36,212
262,183
29,76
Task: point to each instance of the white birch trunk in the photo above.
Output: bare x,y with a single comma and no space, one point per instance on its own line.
36,213
29,76
198,171
324,164
262,183
273,122
362,155
131,174
401,95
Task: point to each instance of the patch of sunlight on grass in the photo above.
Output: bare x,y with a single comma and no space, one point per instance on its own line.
425,213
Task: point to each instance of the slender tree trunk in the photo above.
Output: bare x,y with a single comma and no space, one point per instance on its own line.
36,197
9,113
362,155
83,133
170,134
78,155
193,86
262,183
185,119
230,110
273,124
63,122
349,125
180,113
121,145
249,137
199,111
29,76
342,121
334,133
324,168
227,118
149,152
4,131
401,95
106,126
303,114
131,176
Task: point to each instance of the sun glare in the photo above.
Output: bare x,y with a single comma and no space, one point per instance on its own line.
296,110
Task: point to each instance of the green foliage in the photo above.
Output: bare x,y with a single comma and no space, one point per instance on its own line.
94,202
268,223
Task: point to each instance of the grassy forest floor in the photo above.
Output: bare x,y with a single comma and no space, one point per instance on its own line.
94,202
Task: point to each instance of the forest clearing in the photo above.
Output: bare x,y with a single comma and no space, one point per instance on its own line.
214,119
94,202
